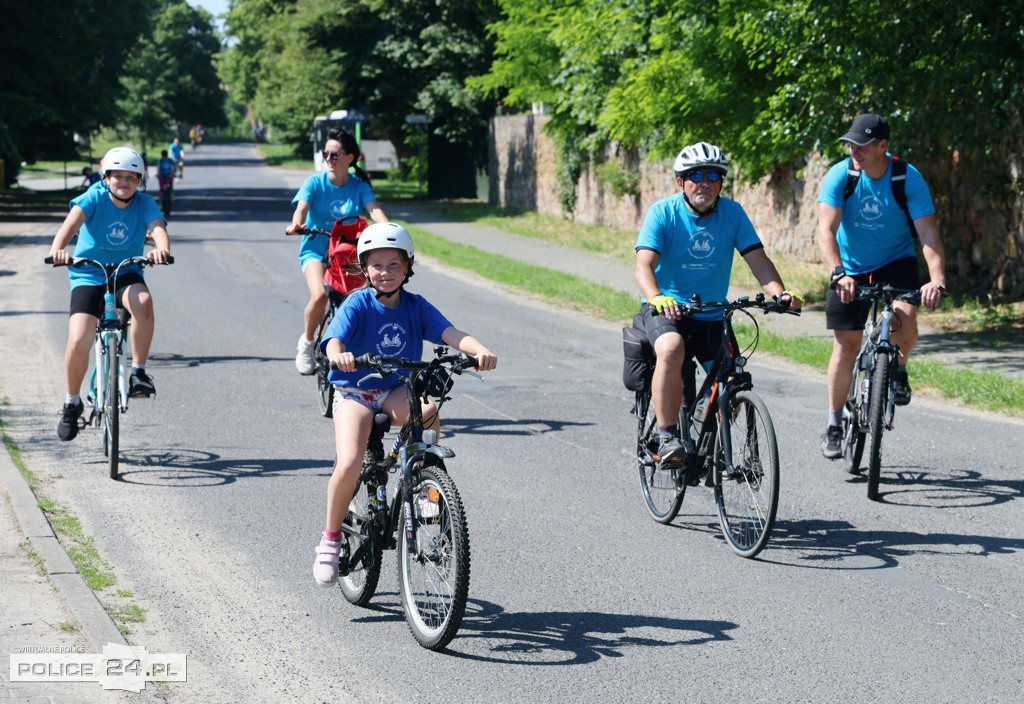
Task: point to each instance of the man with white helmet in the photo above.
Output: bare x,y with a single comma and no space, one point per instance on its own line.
111,224
385,319
685,248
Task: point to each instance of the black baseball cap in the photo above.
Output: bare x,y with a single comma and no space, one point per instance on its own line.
866,129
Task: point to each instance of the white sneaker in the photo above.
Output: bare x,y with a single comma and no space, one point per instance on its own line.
304,359
325,568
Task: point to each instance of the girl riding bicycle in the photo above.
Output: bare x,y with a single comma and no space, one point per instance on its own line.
380,319
322,199
111,225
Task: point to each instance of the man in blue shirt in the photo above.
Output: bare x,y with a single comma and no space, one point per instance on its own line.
685,248
867,237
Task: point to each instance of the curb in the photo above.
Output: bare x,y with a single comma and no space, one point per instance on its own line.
97,626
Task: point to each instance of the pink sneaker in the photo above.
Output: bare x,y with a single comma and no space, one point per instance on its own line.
328,556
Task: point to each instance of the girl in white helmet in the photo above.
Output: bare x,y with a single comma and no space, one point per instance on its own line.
382,318
111,224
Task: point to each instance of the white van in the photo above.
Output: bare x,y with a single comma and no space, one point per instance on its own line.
379,154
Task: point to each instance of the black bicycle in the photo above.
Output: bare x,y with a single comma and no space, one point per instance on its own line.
871,402
108,384
338,280
729,440
424,508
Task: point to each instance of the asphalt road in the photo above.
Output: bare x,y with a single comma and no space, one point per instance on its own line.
576,595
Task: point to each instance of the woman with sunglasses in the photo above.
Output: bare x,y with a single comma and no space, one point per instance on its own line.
322,199
685,249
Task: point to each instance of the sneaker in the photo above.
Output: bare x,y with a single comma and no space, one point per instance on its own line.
901,388
67,427
832,442
670,449
330,562
140,385
304,358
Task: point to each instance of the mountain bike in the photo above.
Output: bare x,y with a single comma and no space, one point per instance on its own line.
871,402
728,437
108,382
424,508
339,280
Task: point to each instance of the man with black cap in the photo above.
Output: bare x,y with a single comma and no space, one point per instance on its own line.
866,235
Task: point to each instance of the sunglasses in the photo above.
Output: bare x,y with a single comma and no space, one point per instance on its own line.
331,156
698,176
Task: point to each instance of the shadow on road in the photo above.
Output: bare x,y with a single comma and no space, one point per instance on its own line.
192,468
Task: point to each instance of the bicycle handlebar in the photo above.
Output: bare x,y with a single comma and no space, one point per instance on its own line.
887,292
82,261
696,305
308,231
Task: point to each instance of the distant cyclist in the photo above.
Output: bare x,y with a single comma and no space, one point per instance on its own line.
111,226
177,151
322,199
868,237
164,170
685,248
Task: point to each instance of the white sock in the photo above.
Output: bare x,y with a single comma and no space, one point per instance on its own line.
73,399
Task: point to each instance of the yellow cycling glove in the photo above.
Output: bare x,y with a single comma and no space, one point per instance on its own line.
795,295
660,303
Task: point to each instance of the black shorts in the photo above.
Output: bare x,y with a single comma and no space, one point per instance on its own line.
89,299
901,273
702,338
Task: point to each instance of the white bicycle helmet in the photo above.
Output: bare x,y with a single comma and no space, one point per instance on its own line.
123,159
701,155
384,235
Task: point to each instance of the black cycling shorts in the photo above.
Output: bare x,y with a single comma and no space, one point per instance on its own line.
702,338
89,299
901,273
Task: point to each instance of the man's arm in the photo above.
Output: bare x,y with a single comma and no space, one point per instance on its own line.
829,218
934,257
643,272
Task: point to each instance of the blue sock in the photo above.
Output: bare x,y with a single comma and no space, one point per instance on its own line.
668,429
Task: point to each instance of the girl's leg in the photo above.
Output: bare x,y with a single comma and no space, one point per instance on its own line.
139,303
314,312
352,424
81,332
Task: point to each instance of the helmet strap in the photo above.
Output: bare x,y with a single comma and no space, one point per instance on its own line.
123,200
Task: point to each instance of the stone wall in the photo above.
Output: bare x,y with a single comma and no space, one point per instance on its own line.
981,226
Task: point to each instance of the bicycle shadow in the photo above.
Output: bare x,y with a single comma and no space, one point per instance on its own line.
196,468
914,485
501,426
839,545
489,633
180,361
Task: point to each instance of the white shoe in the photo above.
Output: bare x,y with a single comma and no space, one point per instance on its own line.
304,359
325,569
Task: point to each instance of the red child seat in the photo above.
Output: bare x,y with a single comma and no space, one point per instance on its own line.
343,272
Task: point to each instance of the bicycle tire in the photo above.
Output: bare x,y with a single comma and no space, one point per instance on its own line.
876,419
747,499
112,408
853,436
434,582
663,492
324,388
360,584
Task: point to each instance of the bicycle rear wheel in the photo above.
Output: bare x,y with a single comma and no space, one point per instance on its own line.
360,584
324,388
748,496
876,419
111,408
853,434
663,493
433,574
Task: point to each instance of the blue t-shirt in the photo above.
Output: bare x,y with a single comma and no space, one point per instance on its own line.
328,203
165,168
365,326
695,254
111,234
874,230
176,150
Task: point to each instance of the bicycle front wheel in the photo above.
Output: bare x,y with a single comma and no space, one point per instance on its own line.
663,494
747,495
111,408
876,419
433,570
853,435
360,584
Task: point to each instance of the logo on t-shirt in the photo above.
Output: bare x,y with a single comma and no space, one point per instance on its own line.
392,340
117,234
871,208
702,245
341,208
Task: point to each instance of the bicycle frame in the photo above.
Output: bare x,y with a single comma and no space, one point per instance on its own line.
113,325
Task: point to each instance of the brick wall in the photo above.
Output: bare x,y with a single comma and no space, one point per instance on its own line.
982,229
